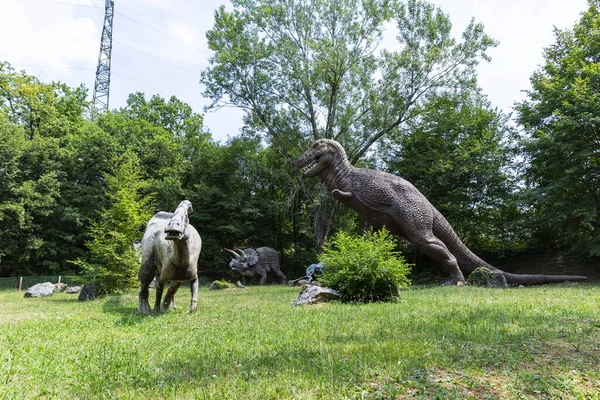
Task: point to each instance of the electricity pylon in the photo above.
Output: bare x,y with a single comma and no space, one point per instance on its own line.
102,85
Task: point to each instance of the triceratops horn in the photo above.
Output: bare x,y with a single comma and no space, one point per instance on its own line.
232,252
242,253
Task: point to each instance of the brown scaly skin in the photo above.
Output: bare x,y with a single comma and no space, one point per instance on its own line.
382,199
170,251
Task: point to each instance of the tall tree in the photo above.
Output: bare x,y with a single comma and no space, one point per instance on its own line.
112,261
166,136
309,69
562,142
37,219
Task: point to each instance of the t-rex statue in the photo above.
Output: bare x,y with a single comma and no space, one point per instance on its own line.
382,199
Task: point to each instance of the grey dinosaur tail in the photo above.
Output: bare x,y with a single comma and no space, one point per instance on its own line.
540,279
469,261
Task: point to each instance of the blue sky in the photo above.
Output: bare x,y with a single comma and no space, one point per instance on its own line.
160,46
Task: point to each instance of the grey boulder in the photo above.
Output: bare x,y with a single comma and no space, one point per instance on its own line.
40,290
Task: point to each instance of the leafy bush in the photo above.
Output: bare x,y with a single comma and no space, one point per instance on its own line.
364,268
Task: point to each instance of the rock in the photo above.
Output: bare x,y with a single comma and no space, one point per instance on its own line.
487,278
89,291
60,287
315,294
239,285
40,290
73,289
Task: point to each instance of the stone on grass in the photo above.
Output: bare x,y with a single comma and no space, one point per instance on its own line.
89,291
487,278
60,287
73,289
239,285
40,290
311,294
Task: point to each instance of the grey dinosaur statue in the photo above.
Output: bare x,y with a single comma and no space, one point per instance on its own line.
256,262
382,199
170,251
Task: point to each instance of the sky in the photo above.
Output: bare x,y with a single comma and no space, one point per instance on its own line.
159,47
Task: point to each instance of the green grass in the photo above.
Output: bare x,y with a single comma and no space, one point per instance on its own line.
440,342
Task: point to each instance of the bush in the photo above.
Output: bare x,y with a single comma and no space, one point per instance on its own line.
364,268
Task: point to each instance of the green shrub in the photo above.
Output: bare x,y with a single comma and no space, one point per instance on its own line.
364,268
220,285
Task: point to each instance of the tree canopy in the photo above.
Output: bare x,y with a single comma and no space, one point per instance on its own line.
562,144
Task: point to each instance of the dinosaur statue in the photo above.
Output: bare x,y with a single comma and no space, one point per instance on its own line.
382,199
170,251
252,262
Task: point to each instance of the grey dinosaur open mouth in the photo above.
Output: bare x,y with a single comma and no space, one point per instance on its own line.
171,235
309,165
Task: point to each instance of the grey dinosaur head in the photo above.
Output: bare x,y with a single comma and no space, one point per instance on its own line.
178,226
321,156
240,261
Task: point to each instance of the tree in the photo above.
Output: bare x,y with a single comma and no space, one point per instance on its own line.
37,122
309,69
166,136
562,138
112,261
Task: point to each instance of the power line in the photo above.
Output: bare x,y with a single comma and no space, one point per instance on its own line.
70,4
131,19
114,40
53,67
139,83
159,59
49,33
163,33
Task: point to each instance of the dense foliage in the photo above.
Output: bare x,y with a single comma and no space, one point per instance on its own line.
561,119
364,268
113,262
303,70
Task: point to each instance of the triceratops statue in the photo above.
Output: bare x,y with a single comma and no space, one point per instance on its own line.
251,262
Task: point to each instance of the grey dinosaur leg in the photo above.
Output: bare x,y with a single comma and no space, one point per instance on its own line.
160,287
280,276
437,250
169,302
194,301
145,275
263,277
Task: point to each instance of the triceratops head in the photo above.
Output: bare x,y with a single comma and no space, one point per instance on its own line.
242,259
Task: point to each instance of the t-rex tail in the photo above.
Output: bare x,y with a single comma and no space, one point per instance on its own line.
469,261
522,279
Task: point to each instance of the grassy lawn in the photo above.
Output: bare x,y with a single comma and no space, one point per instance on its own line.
436,342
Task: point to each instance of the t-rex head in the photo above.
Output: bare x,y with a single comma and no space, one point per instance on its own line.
323,154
